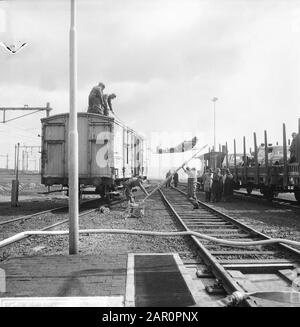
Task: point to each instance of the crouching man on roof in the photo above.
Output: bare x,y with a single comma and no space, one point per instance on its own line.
130,184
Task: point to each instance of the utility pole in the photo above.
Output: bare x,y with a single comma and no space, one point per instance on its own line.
214,99
73,139
15,182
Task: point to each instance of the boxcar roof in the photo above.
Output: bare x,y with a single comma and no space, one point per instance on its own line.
100,117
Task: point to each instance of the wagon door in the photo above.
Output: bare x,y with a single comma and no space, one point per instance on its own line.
101,143
53,156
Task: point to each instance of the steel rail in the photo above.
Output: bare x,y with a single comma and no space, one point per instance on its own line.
229,284
244,227
22,237
39,213
19,237
31,216
292,203
219,271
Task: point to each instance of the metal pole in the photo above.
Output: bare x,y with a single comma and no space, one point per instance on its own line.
17,167
15,158
245,161
266,159
256,160
73,140
214,125
7,161
234,158
214,101
285,162
227,163
298,142
15,183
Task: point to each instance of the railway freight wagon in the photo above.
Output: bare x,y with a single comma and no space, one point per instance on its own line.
276,173
271,176
109,152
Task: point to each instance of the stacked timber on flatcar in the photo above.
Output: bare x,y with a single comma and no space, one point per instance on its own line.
109,151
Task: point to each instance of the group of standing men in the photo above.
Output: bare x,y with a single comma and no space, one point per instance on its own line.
169,179
217,185
100,103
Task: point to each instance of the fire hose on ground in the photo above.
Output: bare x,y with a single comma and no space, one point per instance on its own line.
18,236
291,298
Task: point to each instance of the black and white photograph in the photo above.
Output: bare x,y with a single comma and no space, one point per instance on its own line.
149,156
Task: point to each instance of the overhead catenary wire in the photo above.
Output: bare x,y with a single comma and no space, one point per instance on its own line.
31,113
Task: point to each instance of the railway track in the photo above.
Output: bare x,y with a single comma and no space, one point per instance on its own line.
260,197
40,220
11,230
242,268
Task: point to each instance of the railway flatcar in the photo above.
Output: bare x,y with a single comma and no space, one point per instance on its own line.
109,152
270,176
276,173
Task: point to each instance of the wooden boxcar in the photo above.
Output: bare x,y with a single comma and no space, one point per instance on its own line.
109,151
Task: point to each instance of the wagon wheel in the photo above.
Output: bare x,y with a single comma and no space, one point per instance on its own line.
269,194
297,195
249,188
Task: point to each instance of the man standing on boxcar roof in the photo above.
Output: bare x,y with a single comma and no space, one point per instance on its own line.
110,97
107,103
96,99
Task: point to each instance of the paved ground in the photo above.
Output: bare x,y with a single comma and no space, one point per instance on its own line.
60,276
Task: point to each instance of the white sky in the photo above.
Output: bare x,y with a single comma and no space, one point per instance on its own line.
165,60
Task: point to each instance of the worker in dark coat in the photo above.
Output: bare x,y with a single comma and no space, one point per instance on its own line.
130,184
217,185
175,179
228,186
169,178
107,103
207,183
109,99
96,100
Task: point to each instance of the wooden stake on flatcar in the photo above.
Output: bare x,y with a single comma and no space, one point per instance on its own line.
245,162
285,163
234,156
256,160
227,163
298,143
266,160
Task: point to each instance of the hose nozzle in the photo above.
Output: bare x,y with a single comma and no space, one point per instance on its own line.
233,299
